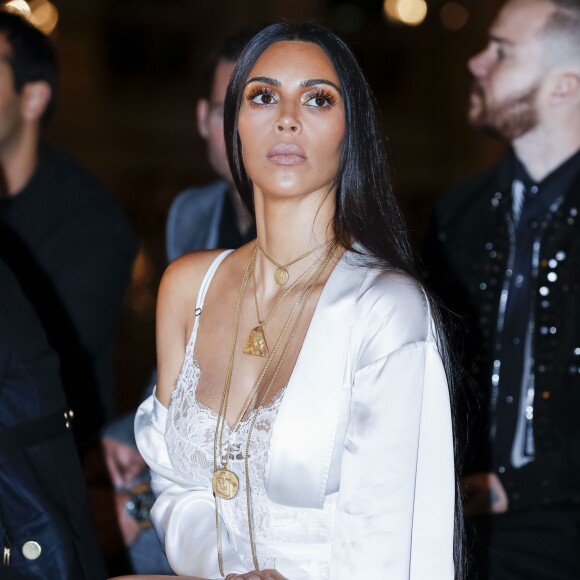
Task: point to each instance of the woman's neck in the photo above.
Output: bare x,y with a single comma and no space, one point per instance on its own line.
287,228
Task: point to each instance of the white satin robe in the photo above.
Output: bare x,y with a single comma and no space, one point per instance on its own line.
366,414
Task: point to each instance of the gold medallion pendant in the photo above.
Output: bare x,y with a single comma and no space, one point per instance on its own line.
225,484
256,343
281,276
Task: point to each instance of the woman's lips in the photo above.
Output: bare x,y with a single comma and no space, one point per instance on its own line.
286,155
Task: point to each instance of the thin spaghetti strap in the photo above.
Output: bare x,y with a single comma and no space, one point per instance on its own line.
207,280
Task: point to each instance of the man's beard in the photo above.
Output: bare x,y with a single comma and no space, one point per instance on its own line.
508,119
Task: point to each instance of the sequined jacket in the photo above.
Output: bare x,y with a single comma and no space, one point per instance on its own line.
467,257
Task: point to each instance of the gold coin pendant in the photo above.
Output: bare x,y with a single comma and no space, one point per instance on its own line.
281,276
225,484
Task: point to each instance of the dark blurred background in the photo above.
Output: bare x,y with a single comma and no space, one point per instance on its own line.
129,76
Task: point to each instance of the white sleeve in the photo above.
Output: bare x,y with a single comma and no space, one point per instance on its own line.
395,513
183,514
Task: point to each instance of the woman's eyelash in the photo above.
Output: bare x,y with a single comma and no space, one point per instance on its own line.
259,91
321,93
328,97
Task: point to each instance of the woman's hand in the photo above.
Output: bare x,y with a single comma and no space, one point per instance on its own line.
257,575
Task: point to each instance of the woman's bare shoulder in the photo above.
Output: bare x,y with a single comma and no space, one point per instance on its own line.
183,277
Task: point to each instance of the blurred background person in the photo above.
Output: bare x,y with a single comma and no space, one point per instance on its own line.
204,217
504,254
65,237
63,234
46,528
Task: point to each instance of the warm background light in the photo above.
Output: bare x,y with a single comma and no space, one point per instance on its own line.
410,12
42,13
454,16
19,6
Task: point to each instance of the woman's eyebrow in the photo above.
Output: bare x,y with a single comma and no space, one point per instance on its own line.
265,80
305,84
314,82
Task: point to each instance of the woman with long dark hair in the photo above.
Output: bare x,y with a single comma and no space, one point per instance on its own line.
301,426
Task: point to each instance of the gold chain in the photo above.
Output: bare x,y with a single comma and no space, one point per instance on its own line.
256,343
281,273
305,293
230,368
283,296
225,397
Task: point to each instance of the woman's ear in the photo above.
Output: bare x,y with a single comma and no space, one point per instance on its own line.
202,112
36,96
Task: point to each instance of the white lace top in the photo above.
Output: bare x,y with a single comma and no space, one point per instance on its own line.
190,434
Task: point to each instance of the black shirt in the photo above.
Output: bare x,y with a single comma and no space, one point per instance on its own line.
72,249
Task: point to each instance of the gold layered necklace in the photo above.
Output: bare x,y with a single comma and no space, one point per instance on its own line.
225,483
281,274
256,344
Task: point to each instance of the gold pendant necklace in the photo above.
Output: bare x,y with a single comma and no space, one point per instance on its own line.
302,301
281,274
224,481
256,344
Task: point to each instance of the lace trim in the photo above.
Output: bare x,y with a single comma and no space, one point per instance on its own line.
190,436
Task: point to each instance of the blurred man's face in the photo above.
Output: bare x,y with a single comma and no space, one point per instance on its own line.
210,120
508,73
10,102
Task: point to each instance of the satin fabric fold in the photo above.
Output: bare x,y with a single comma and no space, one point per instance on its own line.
366,414
292,477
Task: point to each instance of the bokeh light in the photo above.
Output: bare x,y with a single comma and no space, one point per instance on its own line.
41,13
18,6
409,12
454,16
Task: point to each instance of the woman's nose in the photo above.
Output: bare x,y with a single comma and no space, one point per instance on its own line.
293,127
288,120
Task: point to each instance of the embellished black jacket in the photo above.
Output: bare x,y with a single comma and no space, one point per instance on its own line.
467,258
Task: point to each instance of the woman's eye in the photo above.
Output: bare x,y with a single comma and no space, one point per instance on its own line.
320,100
262,97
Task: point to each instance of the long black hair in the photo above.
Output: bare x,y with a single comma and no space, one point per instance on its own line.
366,208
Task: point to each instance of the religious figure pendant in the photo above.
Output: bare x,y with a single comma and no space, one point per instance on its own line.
281,276
225,484
256,343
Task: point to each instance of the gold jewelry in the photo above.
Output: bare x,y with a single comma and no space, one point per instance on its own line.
306,294
281,274
224,478
225,483
256,344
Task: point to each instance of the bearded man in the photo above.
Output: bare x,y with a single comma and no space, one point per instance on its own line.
503,253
